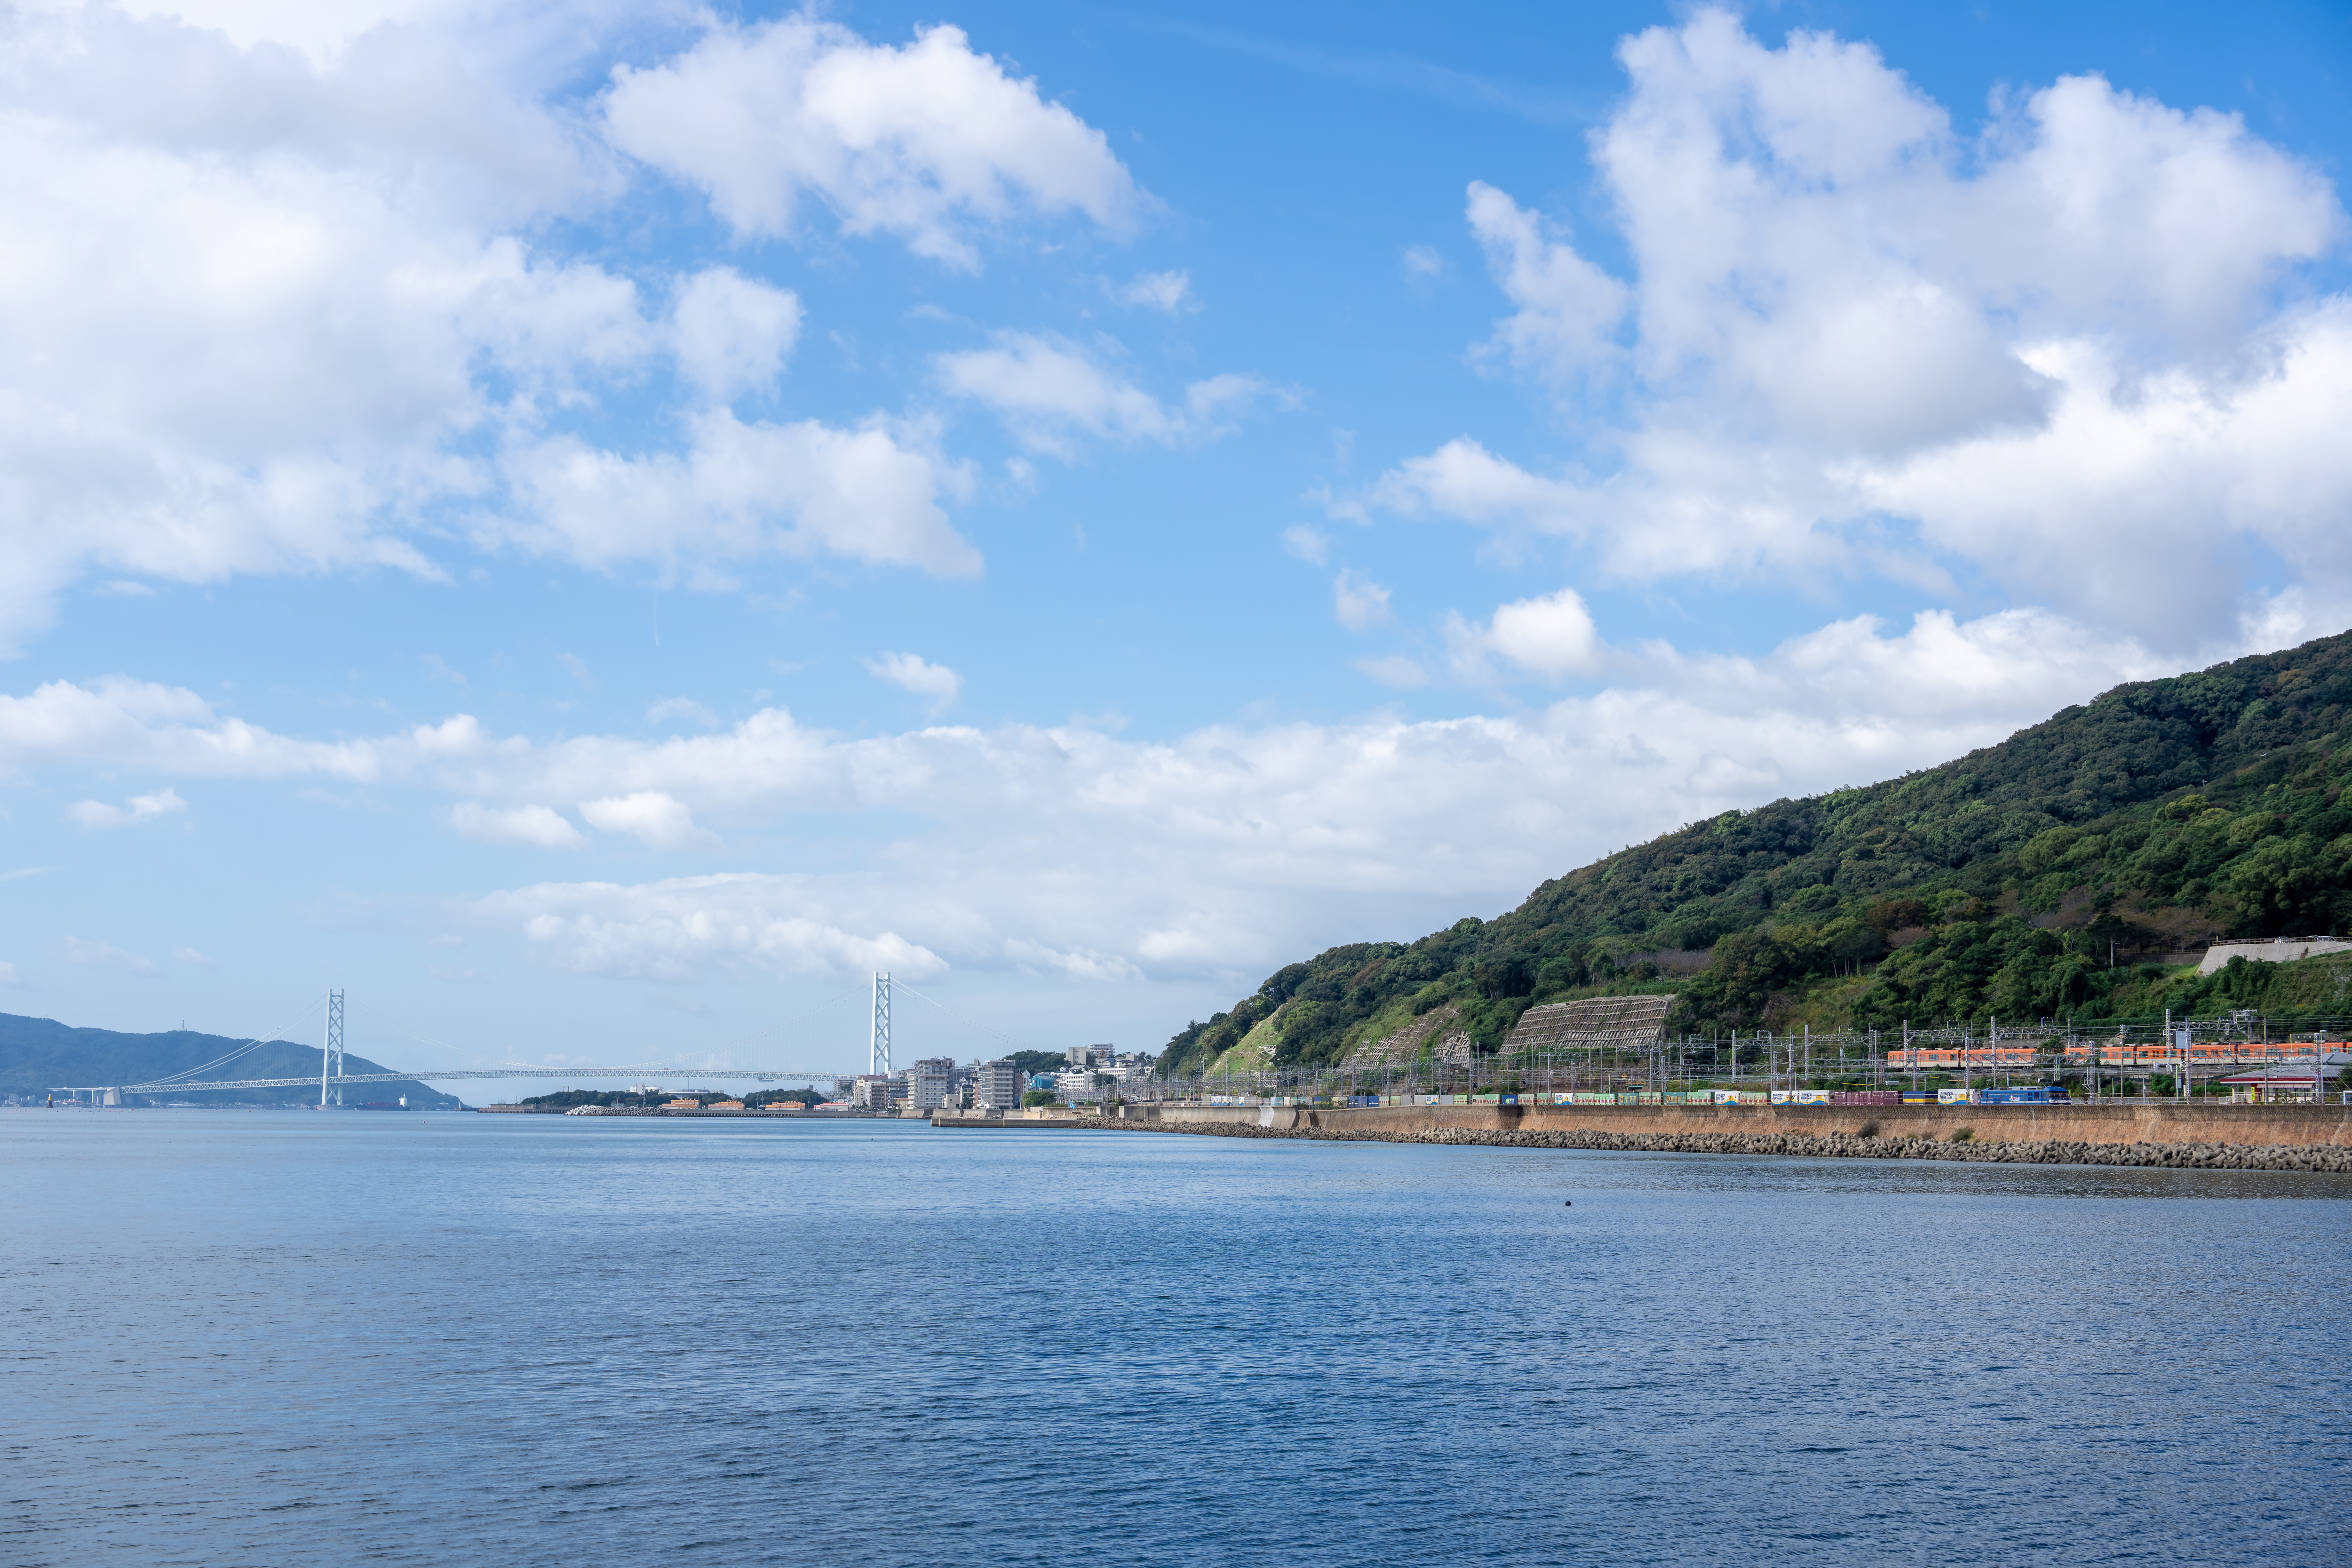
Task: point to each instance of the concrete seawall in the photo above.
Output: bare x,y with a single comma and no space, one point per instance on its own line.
2316,1139
2237,1126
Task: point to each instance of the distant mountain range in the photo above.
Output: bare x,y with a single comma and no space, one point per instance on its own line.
2060,873
37,1054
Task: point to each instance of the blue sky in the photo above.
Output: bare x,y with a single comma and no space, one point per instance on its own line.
592,528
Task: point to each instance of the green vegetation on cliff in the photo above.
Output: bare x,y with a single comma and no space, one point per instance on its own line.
2048,874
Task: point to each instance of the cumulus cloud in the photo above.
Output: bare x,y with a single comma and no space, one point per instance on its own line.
909,672
658,819
925,140
541,827
1566,306
732,332
739,492
1359,603
142,808
1212,851
687,927
2068,356
277,311
1050,391
1552,637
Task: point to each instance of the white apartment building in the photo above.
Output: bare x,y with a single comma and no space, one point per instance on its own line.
998,1085
930,1083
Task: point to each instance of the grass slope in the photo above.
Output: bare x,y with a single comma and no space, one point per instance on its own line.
2048,874
39,1053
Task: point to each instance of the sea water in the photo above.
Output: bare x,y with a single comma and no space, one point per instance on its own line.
300,1337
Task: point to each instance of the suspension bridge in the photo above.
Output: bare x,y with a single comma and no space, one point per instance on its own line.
333,1079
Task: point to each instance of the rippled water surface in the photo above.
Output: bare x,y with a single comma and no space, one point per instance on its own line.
304,1337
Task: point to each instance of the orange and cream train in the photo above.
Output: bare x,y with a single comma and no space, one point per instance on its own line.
2151,1053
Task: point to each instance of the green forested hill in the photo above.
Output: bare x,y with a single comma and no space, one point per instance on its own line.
39,1053
2048,874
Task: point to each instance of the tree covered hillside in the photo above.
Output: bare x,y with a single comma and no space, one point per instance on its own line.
2048,875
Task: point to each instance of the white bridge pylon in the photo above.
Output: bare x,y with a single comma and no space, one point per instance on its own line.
331,1077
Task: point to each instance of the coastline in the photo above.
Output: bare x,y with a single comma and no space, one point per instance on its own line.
2316,1139
2318,1159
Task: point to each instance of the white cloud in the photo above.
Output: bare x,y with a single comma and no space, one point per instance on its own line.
1306,544
740,492
9,977
270,314
105,955
659,820
1359,603
2070,357
189,955
142,808
541,827
1168,291
1552,637
1221,850
1568,307
1048,390
733,333
681,929
908,672
924,140
1078,963
1422,261
576,667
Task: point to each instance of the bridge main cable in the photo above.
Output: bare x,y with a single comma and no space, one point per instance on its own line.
757,1075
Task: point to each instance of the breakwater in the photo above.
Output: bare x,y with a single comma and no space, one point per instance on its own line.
2188,1137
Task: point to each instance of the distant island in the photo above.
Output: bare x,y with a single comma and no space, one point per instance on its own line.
2072,872
37,1054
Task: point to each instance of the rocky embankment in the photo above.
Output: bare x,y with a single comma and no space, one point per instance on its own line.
1843,1146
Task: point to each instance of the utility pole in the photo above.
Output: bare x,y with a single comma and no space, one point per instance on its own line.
878,1055
330,1054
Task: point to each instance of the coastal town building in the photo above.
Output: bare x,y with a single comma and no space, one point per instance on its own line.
997,1085
930,1083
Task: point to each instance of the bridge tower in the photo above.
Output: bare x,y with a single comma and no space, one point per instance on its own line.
330,1057
878,1055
